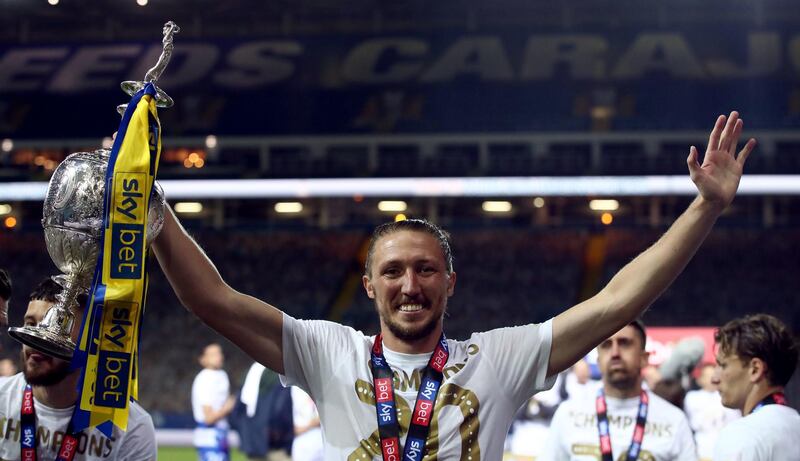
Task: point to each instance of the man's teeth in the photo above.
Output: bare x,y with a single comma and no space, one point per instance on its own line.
411,307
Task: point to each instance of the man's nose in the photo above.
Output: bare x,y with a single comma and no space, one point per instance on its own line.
715,376
411,282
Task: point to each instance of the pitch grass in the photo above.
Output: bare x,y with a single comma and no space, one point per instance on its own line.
190,454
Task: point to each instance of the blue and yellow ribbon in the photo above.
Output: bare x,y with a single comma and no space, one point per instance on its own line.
108,344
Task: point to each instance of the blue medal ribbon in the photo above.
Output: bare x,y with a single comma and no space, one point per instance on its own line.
69,444
777,398
388,425
605,433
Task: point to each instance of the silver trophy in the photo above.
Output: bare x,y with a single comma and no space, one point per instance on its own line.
73,225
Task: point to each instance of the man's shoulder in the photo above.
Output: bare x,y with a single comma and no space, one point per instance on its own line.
138,415
333,332
10,385
507,332
7,382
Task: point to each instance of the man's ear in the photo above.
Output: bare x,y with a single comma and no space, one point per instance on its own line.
365,280
757,370
451,283
645,359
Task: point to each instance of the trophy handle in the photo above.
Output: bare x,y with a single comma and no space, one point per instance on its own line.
132,87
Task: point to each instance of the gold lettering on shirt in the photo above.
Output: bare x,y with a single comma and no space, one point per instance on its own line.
582,419
449,395
585,449
95,445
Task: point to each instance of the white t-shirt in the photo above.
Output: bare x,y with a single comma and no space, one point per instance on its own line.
486,379
707,417
574,436
771,433
308,446
212,388
137,443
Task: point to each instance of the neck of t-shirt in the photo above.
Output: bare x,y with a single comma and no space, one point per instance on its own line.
405,361
758,394
622,394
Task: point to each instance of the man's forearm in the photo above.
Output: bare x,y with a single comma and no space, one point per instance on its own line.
192,275
642,280
636,286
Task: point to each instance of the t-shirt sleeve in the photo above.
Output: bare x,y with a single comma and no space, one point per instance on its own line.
139,443
685,449
553,449
310,348
520,357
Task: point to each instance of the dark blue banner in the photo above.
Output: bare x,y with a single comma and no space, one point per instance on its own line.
510,80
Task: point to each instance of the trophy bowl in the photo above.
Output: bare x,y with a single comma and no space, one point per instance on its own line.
73,226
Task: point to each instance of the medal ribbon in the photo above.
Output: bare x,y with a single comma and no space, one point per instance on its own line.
388,425
778,398
69,444
108,344
605,434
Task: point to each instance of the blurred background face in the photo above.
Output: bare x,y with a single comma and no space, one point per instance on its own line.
621,359
705,380
212,357
7,367
41,369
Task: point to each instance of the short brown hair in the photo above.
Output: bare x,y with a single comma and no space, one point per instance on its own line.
764,337
638,325
418,225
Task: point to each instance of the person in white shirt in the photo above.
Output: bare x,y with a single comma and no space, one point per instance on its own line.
54,394
211,405
706,414
756,357
307,444
376,396
581,431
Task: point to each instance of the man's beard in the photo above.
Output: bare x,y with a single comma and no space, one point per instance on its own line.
57,373
409,334
623,382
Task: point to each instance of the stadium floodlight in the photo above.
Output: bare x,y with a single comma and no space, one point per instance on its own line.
392,205
533,186
496,206
188,207
288,207
604,205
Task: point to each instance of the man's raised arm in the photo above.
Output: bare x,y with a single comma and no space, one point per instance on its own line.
638,284
253,325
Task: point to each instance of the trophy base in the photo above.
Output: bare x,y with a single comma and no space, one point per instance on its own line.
44,341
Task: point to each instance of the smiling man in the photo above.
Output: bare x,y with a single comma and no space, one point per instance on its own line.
756,357
40,400
581,431
410,392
